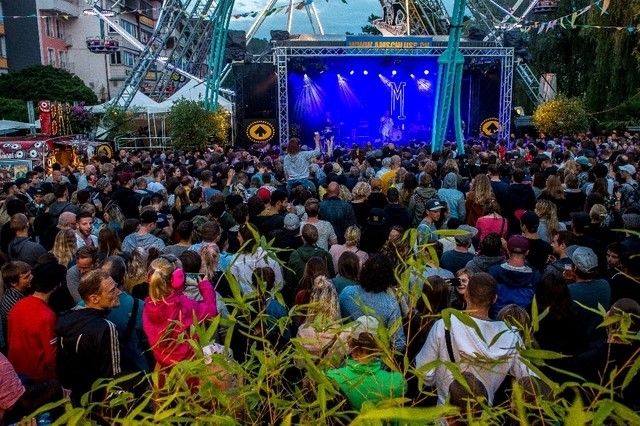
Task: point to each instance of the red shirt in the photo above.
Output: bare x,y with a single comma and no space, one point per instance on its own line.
32,339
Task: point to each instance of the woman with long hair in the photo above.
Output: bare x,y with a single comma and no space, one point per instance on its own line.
348,271
574,198
168,314
409,184
491,221
315,267
481,193
321,333
549,225
136,276
108,244
64,246
114,218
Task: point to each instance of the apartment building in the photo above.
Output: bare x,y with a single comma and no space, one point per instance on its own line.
58,37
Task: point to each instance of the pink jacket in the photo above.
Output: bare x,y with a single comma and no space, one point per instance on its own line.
165,321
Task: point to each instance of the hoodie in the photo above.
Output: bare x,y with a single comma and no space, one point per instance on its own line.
490,357
483,263
418,201
455,199
166,323
145,241
515,285
88,350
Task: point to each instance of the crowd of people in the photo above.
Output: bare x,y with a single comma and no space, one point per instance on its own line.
105,269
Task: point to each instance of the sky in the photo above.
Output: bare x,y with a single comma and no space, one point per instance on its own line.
336,17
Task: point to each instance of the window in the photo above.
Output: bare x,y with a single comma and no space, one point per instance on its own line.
129,58
49,26
51,57
63,59
129,27
116,58
59,28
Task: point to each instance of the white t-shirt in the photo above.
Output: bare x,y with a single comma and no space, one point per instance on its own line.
471,352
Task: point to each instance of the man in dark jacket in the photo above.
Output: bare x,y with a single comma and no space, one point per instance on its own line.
88,347
125,197
299,259
336,211
516,281
21,247
396,213
521,197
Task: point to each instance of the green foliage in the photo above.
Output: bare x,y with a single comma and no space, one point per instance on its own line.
13,109
45,82
192,126
561,116
263,390
370,28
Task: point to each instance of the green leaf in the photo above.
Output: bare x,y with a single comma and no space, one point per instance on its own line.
408,415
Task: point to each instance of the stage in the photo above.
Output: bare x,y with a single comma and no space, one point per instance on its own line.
370,89
344,86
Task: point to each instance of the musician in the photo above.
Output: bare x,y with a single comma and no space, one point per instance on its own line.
386,125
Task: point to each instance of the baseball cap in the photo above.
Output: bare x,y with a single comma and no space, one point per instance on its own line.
149,216
365,324
583,161
530,220
626,168
464,239
125,177
39,191
376,216
66,219
433,205
291,222
584,259
518,244
264,194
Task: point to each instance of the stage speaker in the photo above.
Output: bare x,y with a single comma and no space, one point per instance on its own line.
236,47
279,35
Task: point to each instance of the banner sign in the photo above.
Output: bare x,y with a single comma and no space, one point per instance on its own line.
374,42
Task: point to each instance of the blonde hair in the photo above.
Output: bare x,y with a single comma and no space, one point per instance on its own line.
64,246
352,236
323,301
553,187
482,191
516,316
136,268
210,255
361,190
159,274
548,211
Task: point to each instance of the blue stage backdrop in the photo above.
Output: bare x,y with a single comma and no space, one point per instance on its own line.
351,97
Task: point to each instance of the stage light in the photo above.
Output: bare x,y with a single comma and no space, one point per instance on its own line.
412,76
365,72
426,72
352,72
424,85
306,77
394,72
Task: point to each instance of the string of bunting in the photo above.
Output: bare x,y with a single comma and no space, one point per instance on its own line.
251,14
569,21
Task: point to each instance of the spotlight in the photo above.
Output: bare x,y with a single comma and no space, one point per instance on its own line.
306,76
394,72
365,72
352,72
426,72
412,76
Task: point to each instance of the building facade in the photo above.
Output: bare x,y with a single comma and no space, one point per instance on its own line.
56,34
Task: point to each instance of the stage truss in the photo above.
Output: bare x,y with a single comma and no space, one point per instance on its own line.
286,50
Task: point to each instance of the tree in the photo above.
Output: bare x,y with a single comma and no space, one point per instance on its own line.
370,28
13,109
561,116
119,122
45,82
192,126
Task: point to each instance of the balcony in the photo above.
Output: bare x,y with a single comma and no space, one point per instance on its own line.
70,8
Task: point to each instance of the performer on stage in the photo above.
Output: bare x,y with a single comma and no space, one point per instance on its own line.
386,125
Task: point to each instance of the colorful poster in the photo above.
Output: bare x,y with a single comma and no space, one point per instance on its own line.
14,169
44,108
